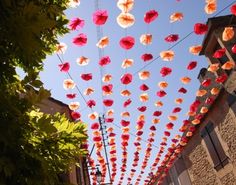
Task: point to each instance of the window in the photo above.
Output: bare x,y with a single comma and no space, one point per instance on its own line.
214,146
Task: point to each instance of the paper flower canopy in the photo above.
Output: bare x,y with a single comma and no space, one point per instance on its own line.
127,63
125,93
88,91
144,97
144,75
104,61
80,40
68,84
163,84
228,65
64,67
228,33
200,28
126,78
61,48
103,42
195,50
76,24
172,38
125,5
233,9
107,78
86,76
146,57
167,55
150,16
82,61
108,102
125,20
211,7
213,67
75,115
100,17
143,87
165,71
73,3
177,16
146,39
127,42
74,105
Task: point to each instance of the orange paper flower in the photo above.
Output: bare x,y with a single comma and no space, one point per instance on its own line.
61,48
228,65
125,93
159,104
163,84
68,84
125,20
82,61
228,33
195,121
177,16
110,112
103,42
88,91
125,114
167,55
146,39
213,67
144,97
201,92
155,121
179,100
144,75
172,117
210,7
141,117
185,80
106,78
204,110
93,116
195,50
127,63
74,105
125,5
215,91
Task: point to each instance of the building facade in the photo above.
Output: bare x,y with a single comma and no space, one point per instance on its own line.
209,158
77,175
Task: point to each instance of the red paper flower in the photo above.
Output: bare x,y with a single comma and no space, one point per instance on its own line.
165,71
219,53
176,109
64,67
161,93
200,28
125,123
126,78
143,87
91,103
100,17
107,88
186,122
172,38
206,83
157,113
146,57
127,103
109,120
182,90
234,49
221,78
139,133
76,23
104,61
192,65
169,126
97,138
95,126
142,109
87,76
127,42
71,96
150,16
108,102
166,133
140,124
153,128
80,40
75,115
233,9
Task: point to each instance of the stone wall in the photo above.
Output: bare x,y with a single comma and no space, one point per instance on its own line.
201,171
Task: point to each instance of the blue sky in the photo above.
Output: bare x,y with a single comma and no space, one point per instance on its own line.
193,13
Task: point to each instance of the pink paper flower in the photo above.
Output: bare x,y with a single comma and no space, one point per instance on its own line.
87,76
161,93
219,53
127,103
127,42
108,102
91,103
165,71
76,24
125,123
146,57
150,16
104,61
75,115
172,38
64,67
126,78
143,87
80,40
100,17
200,28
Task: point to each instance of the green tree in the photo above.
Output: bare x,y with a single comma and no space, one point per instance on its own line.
34,147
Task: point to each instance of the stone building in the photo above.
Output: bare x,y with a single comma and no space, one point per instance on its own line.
77,176
209,157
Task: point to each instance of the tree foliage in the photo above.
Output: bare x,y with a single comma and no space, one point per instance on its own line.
34,147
